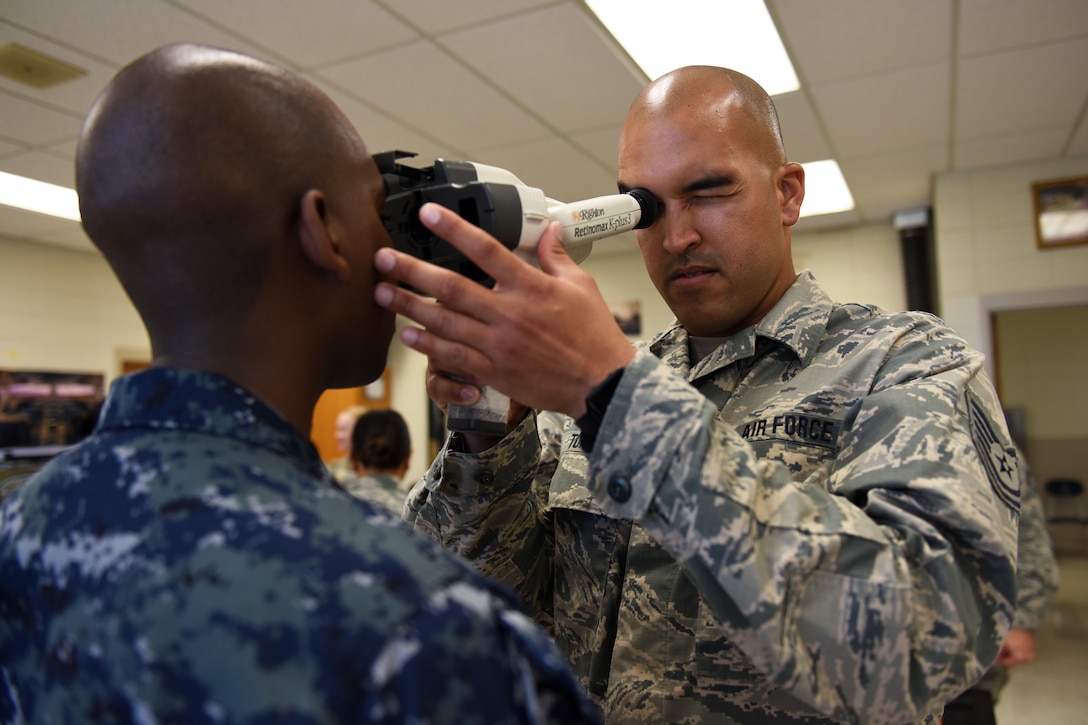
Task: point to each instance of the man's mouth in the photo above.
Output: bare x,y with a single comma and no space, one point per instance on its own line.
690,273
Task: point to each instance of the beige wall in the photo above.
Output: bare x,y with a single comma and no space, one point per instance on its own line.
1042,372
855,265
986,252
990,265
64,310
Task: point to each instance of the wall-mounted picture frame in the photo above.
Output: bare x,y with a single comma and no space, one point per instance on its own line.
628,315
1061,212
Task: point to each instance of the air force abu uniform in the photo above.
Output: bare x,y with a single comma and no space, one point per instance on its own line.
814,523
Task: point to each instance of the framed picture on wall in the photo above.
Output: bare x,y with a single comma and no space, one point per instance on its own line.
1061,212
628,315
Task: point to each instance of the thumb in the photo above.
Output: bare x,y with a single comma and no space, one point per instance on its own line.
550,253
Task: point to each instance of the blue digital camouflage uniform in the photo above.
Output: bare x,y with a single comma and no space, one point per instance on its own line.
193,562
379,488
815,523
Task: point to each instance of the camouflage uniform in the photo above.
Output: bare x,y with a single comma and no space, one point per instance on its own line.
818,517
1036,574
193,562
379,488
340,469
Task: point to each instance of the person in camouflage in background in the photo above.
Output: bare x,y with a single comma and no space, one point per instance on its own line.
193,561
781,510
1036,584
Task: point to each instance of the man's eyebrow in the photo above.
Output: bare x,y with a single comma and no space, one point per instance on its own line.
713,181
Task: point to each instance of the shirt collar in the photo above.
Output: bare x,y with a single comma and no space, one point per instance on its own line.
201,402
797,321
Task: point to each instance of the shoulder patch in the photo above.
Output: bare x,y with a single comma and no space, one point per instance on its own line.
998,460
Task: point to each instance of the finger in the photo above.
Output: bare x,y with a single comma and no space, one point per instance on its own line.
455,291
446,391
455,358
550,252
439,318
484,250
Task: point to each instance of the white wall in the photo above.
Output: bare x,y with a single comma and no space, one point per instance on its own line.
986,252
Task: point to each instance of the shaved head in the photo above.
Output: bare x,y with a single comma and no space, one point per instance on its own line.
241,212
191,163
709,93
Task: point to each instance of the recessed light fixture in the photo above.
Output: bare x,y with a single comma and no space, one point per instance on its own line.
38,196
826,191
737,34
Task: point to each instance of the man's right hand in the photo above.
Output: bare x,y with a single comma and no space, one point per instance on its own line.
544,336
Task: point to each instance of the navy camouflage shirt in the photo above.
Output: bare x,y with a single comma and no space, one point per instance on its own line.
192,561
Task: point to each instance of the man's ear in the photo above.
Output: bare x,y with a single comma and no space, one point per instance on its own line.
317,238
791,190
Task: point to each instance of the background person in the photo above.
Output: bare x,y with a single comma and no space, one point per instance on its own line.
381,449
192,560
340,467
1036,584
783,509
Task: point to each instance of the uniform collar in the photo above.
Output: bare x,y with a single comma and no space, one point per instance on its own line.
797,322
173,399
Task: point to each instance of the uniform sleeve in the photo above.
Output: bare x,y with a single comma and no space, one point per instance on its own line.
875,594
471,657
1036,567
490,508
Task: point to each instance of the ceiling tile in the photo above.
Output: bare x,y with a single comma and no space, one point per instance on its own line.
378,130
42,166
554,166
602,144
435,16
1006,92
801,131
1079,144
989,25
583,85
881,114
1011,149
75,96
835,40
120,30
311,33
444,100
879,193
35,124
9,149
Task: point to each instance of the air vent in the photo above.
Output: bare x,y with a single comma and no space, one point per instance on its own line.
31,68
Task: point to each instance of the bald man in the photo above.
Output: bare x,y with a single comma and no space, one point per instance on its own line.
193,561
781,510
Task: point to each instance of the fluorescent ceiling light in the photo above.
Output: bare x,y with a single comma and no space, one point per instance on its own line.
738,34
826,191
38,196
